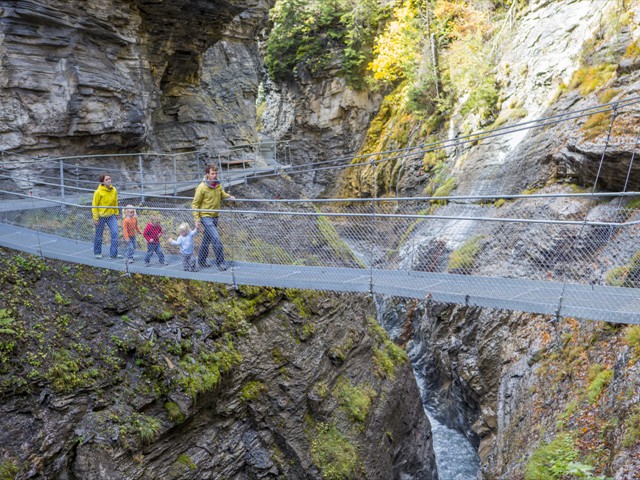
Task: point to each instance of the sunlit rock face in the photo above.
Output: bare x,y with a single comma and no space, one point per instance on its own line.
106,76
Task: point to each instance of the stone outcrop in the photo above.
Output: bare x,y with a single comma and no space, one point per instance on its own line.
322,118
107,377
110,76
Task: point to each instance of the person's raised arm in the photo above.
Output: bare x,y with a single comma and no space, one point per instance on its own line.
195,205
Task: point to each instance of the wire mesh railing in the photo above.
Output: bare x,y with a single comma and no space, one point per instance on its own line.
475,253
150,172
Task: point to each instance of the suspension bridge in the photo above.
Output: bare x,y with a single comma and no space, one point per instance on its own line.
580,259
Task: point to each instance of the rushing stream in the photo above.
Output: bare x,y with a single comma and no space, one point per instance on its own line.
456,459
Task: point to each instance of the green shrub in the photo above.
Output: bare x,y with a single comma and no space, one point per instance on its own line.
333,454
550,461
319,33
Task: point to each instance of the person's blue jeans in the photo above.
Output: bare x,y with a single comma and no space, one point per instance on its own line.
211,236
131,247
112,223
154,248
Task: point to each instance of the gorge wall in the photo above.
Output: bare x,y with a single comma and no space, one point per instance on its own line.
111,76
520,385
104,377
116,76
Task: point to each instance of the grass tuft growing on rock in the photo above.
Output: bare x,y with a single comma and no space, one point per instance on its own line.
252,390
386,354
174,412
599,379
333,454
464,258
588,79
204,372
355,399
8,470
632,339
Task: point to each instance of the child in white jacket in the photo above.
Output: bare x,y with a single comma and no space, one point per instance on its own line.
185,241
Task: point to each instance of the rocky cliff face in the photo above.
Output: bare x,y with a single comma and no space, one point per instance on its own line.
514,382
537,72
110,76
104,377
322,118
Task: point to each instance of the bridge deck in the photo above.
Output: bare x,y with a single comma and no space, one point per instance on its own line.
595,302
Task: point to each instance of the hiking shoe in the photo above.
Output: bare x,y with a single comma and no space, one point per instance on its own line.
117,257
222,267
98,255
130,260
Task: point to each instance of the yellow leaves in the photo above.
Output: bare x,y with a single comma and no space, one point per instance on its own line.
458,19
397,49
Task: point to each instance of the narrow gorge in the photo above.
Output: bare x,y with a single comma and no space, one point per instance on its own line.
111,376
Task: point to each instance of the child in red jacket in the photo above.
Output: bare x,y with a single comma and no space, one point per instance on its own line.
152,233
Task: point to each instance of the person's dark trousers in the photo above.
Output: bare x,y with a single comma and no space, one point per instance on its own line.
112,223
210,225
154,248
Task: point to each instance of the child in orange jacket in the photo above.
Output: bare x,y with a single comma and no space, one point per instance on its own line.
130,228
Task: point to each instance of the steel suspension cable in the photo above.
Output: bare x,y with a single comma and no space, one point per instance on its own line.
614,115
450,143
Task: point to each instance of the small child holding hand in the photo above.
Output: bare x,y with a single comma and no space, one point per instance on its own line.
152,234
130,228
185,241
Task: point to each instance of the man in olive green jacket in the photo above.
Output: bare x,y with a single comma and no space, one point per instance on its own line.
209,196
105,211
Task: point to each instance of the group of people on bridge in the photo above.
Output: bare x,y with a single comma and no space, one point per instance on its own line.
207,200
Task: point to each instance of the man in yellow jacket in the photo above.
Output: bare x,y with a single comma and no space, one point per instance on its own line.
105,211
209,196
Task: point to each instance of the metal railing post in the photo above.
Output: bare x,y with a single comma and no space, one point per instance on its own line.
175,178
141,170
62,179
